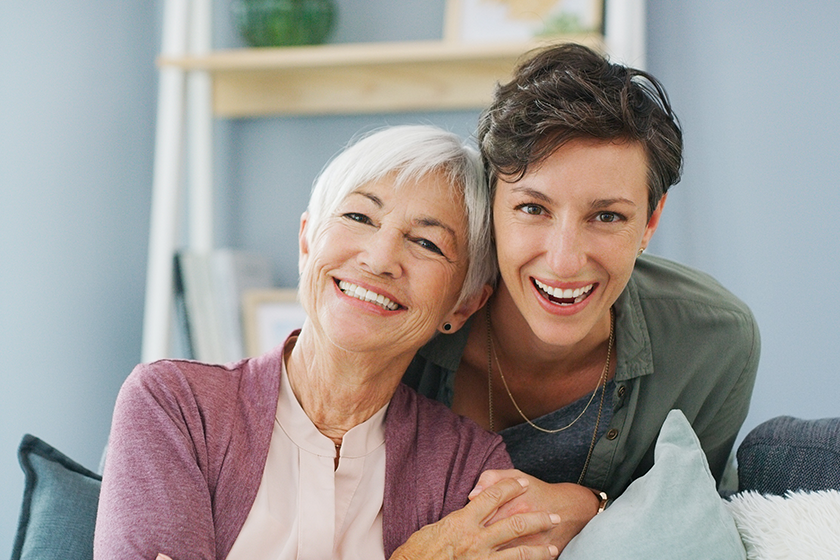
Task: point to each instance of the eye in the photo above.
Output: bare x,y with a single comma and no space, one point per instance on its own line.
357,217
531,209
608,217
428,245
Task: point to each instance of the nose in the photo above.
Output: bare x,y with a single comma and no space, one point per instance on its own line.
383,252
566,251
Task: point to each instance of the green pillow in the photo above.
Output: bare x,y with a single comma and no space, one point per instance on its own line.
60,498
674,511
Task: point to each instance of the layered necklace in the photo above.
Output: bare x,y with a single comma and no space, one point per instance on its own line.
491,355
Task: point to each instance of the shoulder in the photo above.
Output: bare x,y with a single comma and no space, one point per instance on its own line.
698,332
200,390
663,279
679,320
667,290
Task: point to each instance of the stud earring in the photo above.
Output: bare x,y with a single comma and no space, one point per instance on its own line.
447,327
641,250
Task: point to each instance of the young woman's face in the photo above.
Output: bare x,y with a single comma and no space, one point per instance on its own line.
568,233
386,270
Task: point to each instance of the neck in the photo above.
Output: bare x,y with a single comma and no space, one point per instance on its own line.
516,343
340,389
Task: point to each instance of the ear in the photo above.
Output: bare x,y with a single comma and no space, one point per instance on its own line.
465,310
303,244
653,223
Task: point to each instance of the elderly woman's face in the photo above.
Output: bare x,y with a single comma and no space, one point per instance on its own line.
568,233
387,269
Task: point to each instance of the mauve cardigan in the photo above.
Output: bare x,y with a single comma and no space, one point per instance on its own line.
189,442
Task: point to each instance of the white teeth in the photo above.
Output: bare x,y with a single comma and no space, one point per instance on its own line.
358,292
578,294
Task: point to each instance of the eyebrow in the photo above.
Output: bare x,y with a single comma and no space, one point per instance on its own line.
596,204
423,221
370,196
426,221
533,193
607,202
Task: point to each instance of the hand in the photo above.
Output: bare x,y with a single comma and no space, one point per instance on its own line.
575,505
467,533
163,557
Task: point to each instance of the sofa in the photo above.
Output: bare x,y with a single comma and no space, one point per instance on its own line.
787,504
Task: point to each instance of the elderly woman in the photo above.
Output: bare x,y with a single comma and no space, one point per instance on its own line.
315,450
586,345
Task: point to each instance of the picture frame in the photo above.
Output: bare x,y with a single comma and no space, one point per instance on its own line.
475,21
268,317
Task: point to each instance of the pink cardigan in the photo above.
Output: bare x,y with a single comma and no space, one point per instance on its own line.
189,442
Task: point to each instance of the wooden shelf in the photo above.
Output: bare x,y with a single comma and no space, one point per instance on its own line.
359,77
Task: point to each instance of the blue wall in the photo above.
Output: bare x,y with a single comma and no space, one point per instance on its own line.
77,106
754,82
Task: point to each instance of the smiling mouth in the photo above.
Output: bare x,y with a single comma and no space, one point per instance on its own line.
560,296
358,292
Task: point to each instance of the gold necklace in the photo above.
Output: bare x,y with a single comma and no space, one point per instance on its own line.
491,353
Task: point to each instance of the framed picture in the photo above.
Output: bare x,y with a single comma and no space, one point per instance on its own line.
521,20
268,316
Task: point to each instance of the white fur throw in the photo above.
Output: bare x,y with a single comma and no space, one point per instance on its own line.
797,525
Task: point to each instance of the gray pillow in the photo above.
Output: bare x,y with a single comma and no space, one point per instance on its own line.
786,453
672,512
60,498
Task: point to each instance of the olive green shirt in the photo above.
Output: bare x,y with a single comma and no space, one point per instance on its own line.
683,342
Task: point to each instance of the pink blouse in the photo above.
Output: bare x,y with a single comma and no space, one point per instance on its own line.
305,508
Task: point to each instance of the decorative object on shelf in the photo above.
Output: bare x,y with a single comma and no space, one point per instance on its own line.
521,20
284,23
268,317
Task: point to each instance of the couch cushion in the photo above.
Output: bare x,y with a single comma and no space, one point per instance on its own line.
60,498
673,511
786,453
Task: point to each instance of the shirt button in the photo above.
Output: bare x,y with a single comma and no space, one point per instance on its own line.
621,391
612,434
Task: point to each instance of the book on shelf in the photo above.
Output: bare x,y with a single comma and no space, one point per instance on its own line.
209,289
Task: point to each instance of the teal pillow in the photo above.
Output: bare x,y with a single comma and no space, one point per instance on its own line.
674,511
60,498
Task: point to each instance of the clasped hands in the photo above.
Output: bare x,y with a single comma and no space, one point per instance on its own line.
510,516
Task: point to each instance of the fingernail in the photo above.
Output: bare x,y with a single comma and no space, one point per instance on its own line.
554,518
475,492
523,482
553,551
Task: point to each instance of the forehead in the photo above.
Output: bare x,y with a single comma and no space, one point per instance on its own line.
588,166
434,188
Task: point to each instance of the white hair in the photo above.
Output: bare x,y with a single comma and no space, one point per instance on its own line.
411,152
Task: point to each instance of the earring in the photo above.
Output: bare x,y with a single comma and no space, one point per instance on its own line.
447,327
641,250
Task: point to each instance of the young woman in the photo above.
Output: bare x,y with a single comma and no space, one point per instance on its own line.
586,345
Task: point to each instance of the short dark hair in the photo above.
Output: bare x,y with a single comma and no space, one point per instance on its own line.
568,92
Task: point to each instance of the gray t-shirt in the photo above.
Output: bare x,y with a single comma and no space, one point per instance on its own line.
559,457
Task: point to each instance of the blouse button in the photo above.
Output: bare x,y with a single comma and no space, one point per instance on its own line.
621,391
612,434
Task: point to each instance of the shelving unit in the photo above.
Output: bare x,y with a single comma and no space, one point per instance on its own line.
198,84
359,78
